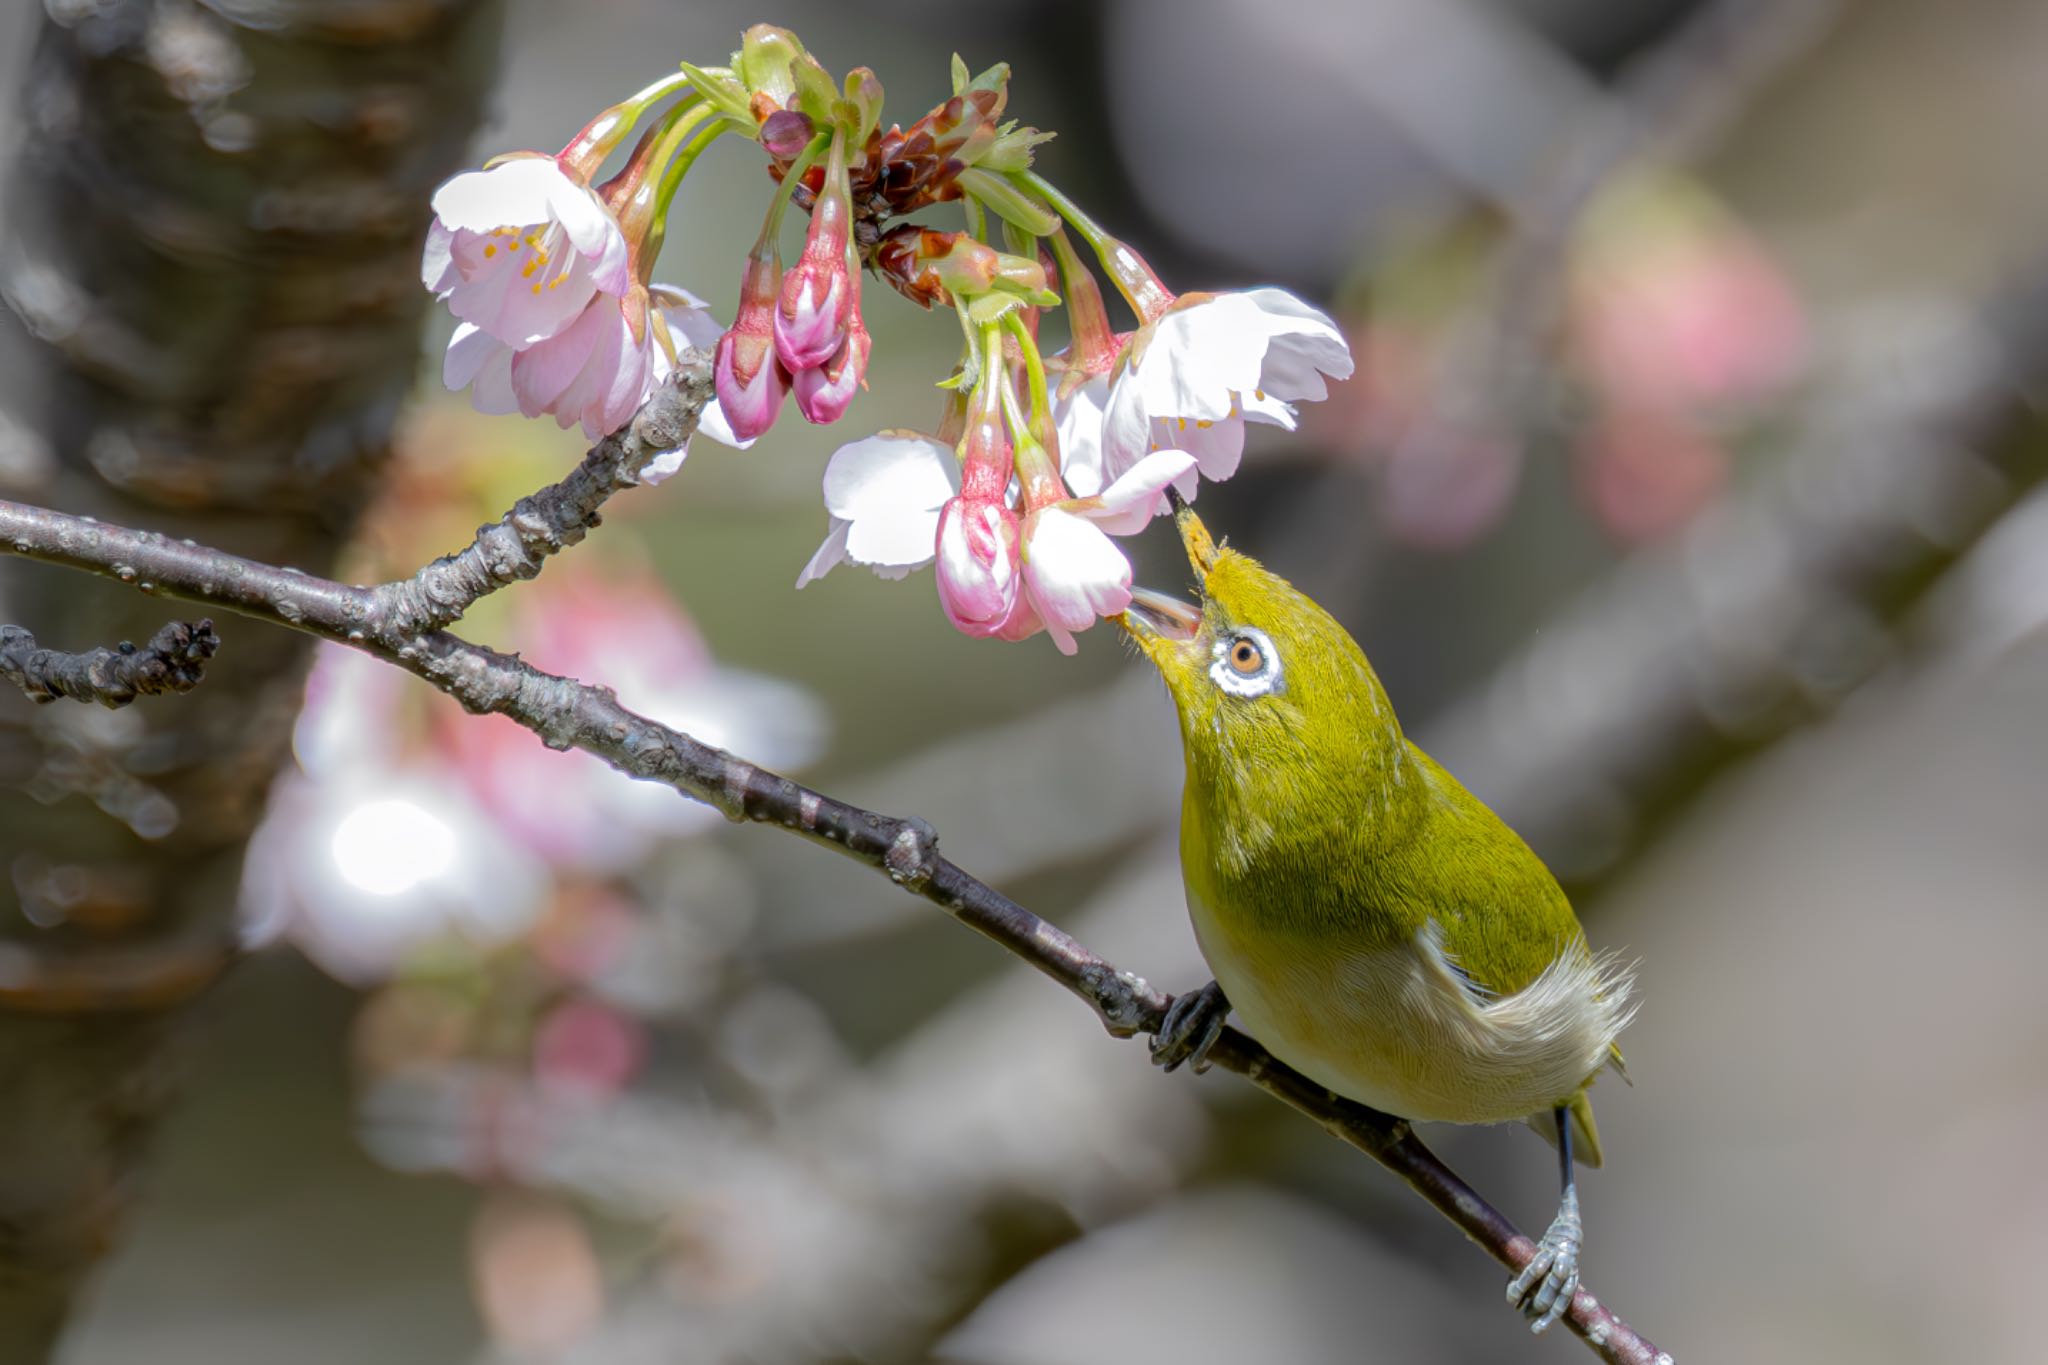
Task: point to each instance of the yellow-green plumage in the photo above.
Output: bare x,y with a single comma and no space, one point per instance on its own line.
1372,923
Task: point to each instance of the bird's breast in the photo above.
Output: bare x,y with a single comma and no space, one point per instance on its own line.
1396,1027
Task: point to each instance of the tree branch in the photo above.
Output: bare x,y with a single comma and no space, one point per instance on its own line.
174,660
565,714
549,521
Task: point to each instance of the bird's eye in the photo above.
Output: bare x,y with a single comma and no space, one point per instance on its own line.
1244,663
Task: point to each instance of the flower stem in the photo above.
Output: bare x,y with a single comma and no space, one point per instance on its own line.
1094,341
1034,374
791,178
1138,282
1037,465
602,135
690,137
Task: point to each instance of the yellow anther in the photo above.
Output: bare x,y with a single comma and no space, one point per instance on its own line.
536,287
526,271
1259,394
1204,424
489,251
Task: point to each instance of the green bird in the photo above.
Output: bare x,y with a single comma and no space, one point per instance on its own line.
1371,922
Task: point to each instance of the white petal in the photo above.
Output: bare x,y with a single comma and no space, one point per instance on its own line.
1079,419
664,464
689,317
1217,446
1197,357
1126,432
513,193
1074,571
1304,346
832,552
1268,410
888,473
1136,497
712,422
903,540
592,229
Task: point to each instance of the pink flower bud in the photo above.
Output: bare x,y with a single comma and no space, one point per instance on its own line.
811,320
824,392
978,565
785,133
749,380
818,293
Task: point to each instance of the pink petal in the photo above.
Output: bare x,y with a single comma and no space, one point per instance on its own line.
437,261
468,349
543,372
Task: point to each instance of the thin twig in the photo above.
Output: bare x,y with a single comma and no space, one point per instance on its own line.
548,522
174,660
565,713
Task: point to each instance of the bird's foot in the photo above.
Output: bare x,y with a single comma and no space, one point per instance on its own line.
1544,1289
1193,1022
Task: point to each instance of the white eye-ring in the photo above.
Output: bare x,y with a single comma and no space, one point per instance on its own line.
1244,663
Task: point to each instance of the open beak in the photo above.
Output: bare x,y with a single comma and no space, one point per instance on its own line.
1156,616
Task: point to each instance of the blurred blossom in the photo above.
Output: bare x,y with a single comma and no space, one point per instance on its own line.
588,1048
534,1271
412,822
1674,306
1450,485
626,631
1645,473
361,869
1676,326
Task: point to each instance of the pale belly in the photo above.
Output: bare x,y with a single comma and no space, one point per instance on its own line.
1396,1029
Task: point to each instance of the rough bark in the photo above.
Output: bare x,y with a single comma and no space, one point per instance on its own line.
210,260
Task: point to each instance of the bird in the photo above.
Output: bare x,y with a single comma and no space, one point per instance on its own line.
1372,923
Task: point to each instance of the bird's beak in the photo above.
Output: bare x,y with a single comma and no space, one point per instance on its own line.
1155,617
1194,536
1156,621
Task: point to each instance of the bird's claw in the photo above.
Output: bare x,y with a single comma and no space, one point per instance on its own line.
1544,1288
1193,1022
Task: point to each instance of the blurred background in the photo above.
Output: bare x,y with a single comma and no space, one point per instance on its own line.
1686,500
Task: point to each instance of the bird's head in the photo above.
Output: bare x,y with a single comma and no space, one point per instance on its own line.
1277,702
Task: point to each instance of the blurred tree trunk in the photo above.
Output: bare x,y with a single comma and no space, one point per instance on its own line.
211,263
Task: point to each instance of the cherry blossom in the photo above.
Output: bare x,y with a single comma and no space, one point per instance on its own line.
519,250
1191,378
1074,574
